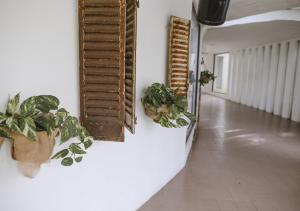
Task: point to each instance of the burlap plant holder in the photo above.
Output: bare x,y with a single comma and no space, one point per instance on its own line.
31,154
1,141
154,115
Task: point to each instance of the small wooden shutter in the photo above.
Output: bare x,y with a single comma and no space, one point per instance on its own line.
102,67
179,44
130,64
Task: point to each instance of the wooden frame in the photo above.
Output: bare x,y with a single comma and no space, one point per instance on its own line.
130,64
179,47
102,67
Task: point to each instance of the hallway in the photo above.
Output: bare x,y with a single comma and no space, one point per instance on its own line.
243,160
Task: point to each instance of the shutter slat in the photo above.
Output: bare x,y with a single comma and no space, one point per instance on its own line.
103,104
102,20
130,64
101,46
102,55
178,77
102,80
101,3
100,37
111,29
110,63
102,69
104,11
108,88
101,96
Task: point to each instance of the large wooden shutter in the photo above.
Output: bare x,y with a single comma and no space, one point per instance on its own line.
102,67
179,44
130,64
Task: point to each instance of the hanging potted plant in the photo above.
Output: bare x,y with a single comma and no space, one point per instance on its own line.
165,107
206,77
33,126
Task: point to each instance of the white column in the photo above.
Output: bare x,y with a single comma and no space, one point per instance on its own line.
272,78
296,102
290,80
280,84
230,75
245,70
239,77
234,76
251,74
265,78
258,76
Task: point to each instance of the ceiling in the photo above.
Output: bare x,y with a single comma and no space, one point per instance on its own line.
242,8
236,37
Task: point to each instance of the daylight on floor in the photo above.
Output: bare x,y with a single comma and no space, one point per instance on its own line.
150,105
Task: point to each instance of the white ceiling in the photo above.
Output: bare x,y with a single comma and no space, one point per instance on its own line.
242,8
236,37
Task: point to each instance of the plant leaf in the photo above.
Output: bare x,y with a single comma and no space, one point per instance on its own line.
69,129
13,125
78,159
61,154
76,149
3,117
190,116
12,105
46,103
182,122
47,122
4,134
88,142
27,108
83,133
28,128
67,161
60,116
175,113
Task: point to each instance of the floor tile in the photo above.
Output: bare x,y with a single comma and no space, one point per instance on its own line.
243,159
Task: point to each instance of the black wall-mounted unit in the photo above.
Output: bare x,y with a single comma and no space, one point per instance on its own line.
212,12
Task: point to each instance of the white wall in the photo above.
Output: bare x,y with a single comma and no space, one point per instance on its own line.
38,55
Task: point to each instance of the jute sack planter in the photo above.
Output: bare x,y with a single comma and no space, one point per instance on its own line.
31,154
1,141
154,115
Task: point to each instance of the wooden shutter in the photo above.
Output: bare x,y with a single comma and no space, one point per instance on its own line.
102,67
130,64
179,44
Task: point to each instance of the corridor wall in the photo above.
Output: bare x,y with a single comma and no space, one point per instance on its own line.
268,78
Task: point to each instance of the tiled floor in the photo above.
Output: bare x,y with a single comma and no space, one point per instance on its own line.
243,160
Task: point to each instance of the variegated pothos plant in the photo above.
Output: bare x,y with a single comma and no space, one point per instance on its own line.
175,114
42,113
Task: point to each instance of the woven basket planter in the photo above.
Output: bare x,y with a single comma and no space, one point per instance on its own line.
1,141
31,154
155,114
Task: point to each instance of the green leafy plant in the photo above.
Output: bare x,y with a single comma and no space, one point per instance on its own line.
42,113
206,77
165,107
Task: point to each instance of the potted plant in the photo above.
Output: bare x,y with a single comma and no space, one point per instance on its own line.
33,125
165,107
206,77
